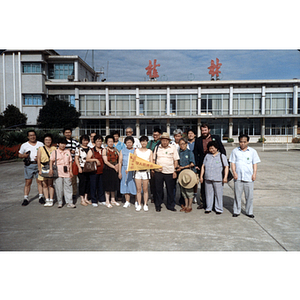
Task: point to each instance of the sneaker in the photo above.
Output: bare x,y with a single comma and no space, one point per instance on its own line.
47,202
136,204
195,200
102,203
138,207
42,200
146,208
50,202
25,202
95,204
127,204
70,205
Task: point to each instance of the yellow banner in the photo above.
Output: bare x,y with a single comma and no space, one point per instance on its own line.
136,163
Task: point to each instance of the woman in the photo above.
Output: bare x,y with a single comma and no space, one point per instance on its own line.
95,154
43,158
127,186
84,177
110,171
142,177
214,180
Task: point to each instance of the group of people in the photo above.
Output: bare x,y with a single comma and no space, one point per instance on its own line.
104,177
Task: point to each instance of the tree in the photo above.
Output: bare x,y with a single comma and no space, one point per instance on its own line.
58,114
12,117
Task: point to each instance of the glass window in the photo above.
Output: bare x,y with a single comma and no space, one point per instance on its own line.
183,105
89,126
33,100
215,104
219,127
278,126
92,105
246,104
69,98
279,104
60,71
153,105
32,67
147,126
122,105
246,126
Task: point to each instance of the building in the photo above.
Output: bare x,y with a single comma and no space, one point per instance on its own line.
260,108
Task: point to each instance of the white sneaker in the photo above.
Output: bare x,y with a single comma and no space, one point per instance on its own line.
47,203
195,199
138,207
50,203
95,204
127,204
146,207
102,203
136,204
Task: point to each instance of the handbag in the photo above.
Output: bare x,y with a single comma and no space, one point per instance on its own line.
229,176
46,167
74,168
89,166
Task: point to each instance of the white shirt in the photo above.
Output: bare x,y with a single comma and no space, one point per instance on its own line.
33,149
137,143
244,161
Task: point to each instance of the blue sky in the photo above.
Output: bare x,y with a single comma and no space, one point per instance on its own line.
184,65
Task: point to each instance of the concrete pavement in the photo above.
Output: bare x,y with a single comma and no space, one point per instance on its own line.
276,226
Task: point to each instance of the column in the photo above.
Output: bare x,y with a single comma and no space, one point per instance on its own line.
137,128
198,127
263,127
295,128
77,98
106,101
107,127
199,100
168,101
230,128
263,100
20,81
76,70
295,100
137,101
168,125
230,100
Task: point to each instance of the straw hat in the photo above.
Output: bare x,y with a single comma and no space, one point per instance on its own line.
165,135
187,179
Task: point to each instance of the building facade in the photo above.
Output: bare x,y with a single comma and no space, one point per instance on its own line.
260,108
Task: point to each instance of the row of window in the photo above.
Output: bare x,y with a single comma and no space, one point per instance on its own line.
218,126
187,105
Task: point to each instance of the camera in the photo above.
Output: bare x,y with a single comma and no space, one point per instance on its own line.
65,169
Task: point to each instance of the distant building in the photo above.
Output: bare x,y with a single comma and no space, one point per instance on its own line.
269,108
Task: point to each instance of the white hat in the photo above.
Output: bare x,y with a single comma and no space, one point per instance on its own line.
187,179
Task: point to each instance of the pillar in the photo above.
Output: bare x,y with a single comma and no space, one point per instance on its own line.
106,101
199,100
137,101
295,128
230,128
230,100
263,100
76,70
295,100
137,128
168,125
107,127
168,101
198,127
263,127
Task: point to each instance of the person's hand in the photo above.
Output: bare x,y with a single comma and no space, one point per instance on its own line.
50,172
72,151
79,170
71,174
120,176
201,179
174,175
224,180
40,172
126,172
98,162
235,175
117,168
253,177
197,168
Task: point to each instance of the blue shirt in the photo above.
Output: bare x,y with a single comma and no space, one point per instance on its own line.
191,145
213,166
120,146
186,157
244,161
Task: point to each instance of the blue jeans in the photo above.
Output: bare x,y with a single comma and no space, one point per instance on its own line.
97,191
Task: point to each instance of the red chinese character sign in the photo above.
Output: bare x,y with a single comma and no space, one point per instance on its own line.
151,70
214,69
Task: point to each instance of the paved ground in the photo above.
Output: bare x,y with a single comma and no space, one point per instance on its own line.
276,226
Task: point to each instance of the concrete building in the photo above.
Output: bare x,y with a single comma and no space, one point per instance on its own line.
260,108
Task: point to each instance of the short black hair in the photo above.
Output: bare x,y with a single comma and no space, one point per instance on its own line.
183,139
213,144
144,138
31,130
244,135
115,132
84,137
67,128
62,140
48,135
108,137
204,125
129,138
157,129
98,137
190,129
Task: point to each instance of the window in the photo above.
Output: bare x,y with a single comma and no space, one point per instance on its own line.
153,105
32,67
92,105
246,126
69,98
60,71
122,105
246,104
33,100
183,105
278,126
279,104
215,104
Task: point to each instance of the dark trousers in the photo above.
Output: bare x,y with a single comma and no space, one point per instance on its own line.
84,183
202,193
160,178
152,186
97,191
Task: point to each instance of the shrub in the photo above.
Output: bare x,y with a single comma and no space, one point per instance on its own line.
261,140
7,153
296,140
230,140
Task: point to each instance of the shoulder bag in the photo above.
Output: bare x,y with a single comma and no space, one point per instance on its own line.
90,166
46,167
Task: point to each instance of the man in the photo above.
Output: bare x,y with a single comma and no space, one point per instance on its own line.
129,132
29,150
165,155
191,139
117,144
72,145
244,161
152,145
200,150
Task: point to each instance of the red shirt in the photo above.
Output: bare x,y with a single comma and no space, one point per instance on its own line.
98,155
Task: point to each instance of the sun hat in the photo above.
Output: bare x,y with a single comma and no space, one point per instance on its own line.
165,135
187,179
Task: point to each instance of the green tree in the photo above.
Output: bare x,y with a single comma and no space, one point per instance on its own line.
12,117
58,114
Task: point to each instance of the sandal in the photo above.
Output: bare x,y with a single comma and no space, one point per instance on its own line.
83,203
87,202
115,203
108,205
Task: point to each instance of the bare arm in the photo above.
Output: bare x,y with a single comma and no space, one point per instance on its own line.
254,172
202,173
233,167
39,154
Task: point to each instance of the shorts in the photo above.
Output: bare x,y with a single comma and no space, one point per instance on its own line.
142,175
187,193
31,171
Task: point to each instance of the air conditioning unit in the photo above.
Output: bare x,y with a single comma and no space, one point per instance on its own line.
70,77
